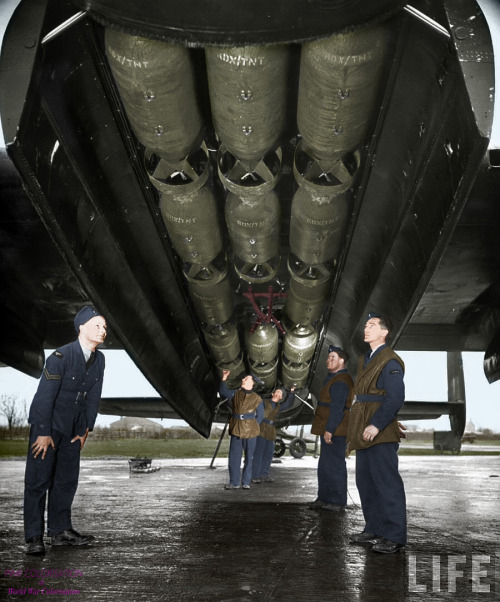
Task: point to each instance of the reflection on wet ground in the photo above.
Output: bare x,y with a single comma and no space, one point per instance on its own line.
177,534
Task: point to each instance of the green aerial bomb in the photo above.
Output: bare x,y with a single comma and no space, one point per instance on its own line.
223,342
157,87
262,343
248,98
308,292
339,83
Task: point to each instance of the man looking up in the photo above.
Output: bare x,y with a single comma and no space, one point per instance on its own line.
264,448
63,411
330,423
244,427
374,433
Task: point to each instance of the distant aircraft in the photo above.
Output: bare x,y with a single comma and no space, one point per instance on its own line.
235,185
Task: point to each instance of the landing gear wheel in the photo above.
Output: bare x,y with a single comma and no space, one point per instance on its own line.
279,448
298,447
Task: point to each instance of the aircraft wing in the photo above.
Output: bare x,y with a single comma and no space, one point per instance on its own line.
236,188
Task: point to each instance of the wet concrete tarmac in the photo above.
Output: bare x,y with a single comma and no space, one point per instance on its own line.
177,534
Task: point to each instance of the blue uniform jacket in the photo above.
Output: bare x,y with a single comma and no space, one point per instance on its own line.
284,405
67,398
391,380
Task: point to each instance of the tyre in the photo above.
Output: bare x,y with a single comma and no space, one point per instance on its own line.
298,447
279,448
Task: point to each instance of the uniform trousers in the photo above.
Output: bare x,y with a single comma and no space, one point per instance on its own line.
332,472
262,458
237,446
382,491
58,474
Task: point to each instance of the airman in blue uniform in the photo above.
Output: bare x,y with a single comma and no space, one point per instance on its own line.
244,427
375,434
264,448
63,411
330,423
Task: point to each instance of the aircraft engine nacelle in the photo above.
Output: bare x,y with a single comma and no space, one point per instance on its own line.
157,86
248,98
339,82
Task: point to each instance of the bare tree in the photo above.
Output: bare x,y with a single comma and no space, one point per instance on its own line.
16,416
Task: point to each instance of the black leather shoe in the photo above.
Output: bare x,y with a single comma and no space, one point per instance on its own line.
316,505
385,546
34,546
70,537
365,538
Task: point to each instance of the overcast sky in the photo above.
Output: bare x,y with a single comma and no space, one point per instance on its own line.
425,372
